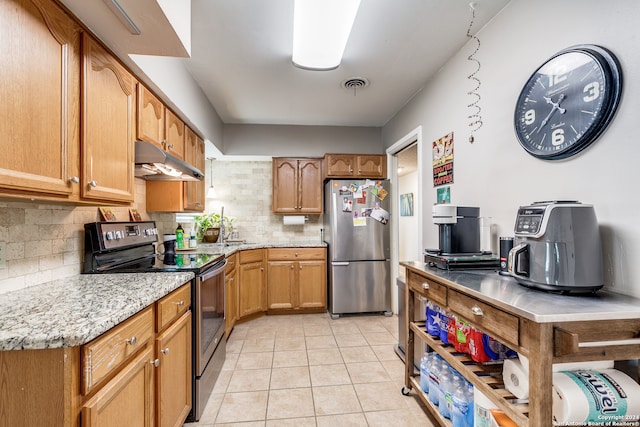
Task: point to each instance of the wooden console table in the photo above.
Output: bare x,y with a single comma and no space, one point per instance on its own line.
545,327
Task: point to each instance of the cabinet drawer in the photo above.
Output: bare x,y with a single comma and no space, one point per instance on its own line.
109,351
232,260
251,255
173,306
428,288
493,321
293,254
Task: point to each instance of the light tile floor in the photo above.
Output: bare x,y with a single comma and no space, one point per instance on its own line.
311,370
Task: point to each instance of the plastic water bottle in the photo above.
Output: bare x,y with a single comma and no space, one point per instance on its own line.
425,365
471,411
461,407
446,392
434,380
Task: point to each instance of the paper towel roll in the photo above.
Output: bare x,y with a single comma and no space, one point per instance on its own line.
584,396
557,367
293,219
516,378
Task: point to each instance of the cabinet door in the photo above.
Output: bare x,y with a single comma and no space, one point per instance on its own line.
281,280
40,92
231,300
174,134
285,186
251,289
108,118
150,124
173,397
128,396
310,186
194,155
372,166
312,284
340,165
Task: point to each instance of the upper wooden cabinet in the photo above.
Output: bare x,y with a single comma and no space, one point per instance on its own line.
108,126
297,185
40,89
150,124
159,125
355,165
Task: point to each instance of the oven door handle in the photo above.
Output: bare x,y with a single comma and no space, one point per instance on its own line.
214,271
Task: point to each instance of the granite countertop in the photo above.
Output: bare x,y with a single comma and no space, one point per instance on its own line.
540,306
72,311
231,247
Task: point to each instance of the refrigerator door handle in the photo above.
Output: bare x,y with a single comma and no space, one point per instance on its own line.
339,263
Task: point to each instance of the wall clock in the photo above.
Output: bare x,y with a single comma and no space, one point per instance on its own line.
568,102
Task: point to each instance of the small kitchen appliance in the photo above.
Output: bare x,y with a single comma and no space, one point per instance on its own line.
128,247
557,247
458,239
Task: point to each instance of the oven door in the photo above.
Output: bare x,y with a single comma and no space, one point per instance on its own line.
209,314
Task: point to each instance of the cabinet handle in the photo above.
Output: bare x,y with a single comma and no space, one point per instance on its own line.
165,351
74,180
292,267
261,268
131,341
297,254
94,184
179,303
425,286
170,146
155,363
477,310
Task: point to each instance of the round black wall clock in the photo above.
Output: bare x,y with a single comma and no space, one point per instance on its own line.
568,102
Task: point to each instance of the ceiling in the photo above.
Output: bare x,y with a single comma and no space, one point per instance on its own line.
241,55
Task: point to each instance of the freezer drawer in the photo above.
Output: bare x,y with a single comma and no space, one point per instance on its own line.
359,287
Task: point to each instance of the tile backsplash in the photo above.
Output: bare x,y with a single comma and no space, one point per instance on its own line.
45,241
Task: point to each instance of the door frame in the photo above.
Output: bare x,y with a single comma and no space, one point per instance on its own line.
413,137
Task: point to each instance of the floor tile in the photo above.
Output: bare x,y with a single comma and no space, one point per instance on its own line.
257,345
290,343
351,340
325,356
249,380
380,396
367,372
255,360
343,420
320,341
322,375
292,422
284,359
358,354
339,399
294,377
246,406
290,403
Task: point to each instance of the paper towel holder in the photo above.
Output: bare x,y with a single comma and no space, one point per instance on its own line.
294,219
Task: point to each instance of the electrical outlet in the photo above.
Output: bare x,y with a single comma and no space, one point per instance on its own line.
3,255
260,229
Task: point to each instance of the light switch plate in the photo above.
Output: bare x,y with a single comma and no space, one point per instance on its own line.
3,255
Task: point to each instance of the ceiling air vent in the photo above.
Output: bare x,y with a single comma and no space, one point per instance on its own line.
355,83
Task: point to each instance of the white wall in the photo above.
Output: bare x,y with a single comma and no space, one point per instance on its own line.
495,173
408,239
300,141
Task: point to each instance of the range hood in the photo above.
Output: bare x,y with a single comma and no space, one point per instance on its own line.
153,163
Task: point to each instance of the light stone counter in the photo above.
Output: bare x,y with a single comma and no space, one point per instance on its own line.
73,311
230,248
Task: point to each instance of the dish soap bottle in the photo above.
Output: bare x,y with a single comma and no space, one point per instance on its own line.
179,237
192,239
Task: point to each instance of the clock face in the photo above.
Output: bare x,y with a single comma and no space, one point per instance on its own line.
568,102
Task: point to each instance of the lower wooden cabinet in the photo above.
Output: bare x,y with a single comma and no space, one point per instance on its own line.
231,293
252,297
127,399
296,279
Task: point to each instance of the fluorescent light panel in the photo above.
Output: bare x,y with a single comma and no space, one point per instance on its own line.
321,29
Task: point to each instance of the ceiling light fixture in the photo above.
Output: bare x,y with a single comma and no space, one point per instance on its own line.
320,32
211,192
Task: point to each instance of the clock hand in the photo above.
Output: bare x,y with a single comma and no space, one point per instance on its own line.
554,106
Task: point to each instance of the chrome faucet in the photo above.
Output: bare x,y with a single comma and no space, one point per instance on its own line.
222,225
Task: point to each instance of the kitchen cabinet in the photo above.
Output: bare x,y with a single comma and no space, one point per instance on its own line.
159,125
297,185
546,330
108,126
137,373
297,279
231,293
40,88
179,196
355,166
252,296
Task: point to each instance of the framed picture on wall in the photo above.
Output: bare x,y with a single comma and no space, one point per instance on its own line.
108,214
406,204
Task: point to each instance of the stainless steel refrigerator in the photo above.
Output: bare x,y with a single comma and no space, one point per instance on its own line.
357,232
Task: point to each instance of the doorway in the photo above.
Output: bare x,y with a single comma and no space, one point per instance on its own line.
404,158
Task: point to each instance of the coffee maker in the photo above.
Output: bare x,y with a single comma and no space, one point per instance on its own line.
458,229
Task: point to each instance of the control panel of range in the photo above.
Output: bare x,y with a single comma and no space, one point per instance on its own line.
120,234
